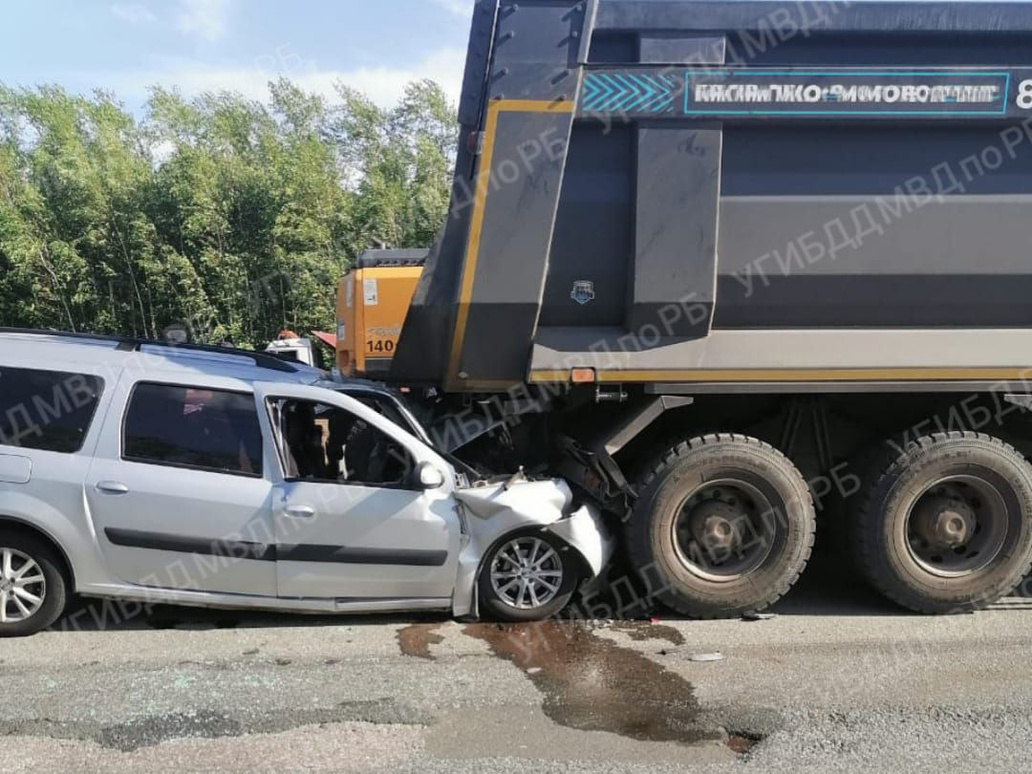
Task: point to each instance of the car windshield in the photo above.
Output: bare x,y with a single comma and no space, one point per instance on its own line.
393,407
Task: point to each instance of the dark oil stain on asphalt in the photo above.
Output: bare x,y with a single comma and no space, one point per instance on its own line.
415,640
640,631
592,684
742,743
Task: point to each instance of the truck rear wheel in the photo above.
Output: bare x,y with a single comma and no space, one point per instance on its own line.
945,524
723,525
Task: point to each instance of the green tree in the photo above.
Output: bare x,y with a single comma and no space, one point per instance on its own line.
234,215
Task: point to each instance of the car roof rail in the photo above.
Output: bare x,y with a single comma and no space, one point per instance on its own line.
131,344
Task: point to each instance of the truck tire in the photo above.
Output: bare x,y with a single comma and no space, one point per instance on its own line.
945,524
723,525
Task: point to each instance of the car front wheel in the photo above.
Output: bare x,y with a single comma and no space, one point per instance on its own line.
528,577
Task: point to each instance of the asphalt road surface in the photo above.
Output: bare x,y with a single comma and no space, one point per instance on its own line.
837,679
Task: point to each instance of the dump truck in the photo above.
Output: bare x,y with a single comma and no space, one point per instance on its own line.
726,266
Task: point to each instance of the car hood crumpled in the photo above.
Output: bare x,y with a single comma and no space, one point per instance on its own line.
541,502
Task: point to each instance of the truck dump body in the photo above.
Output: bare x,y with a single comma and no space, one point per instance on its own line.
735,194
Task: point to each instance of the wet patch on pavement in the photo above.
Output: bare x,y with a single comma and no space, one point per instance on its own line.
742,743
593,684
150,730
415,640
641,631
163,618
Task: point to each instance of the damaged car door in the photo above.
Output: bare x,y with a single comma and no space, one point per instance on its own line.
363,511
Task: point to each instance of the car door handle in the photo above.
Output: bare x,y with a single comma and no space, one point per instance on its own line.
112,487
300,511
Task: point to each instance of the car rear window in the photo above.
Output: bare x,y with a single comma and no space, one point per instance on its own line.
47,410
193,427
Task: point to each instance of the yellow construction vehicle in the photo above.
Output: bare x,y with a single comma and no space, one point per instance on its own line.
372,300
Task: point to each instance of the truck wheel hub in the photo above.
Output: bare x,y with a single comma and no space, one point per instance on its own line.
945,522
714,525
718,532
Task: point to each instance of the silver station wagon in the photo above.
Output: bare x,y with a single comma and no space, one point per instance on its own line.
220,478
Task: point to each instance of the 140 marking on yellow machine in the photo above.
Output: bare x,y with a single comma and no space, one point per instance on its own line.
372,301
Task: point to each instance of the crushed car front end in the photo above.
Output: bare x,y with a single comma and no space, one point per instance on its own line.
495,510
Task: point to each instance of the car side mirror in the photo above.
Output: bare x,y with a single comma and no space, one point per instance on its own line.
429,476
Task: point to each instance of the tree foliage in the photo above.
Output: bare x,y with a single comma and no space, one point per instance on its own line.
233,216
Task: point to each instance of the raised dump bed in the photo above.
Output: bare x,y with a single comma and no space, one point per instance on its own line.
726,264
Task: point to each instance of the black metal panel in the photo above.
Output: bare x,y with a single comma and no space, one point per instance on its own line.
478,57
497,343
613,48
675,255
512,253
877,300
536,50
594,230
674,48
534,57
958,261
371,259
787,159
854,17
916,49
424,344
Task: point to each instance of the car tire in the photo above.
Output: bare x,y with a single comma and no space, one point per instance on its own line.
902,524
723,525
506,595
23,557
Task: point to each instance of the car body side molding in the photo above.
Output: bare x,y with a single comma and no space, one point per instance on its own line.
260,552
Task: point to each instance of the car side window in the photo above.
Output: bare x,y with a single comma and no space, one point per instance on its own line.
330,444
193,427
47,410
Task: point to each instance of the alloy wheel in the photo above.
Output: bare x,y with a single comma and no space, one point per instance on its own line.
23,587
527,573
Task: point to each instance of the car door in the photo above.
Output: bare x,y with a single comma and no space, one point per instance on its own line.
352,521
177,491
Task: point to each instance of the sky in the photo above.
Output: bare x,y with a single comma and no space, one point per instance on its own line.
126,46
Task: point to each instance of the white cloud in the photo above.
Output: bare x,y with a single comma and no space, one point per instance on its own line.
207,19
384,85
463,8
133,13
